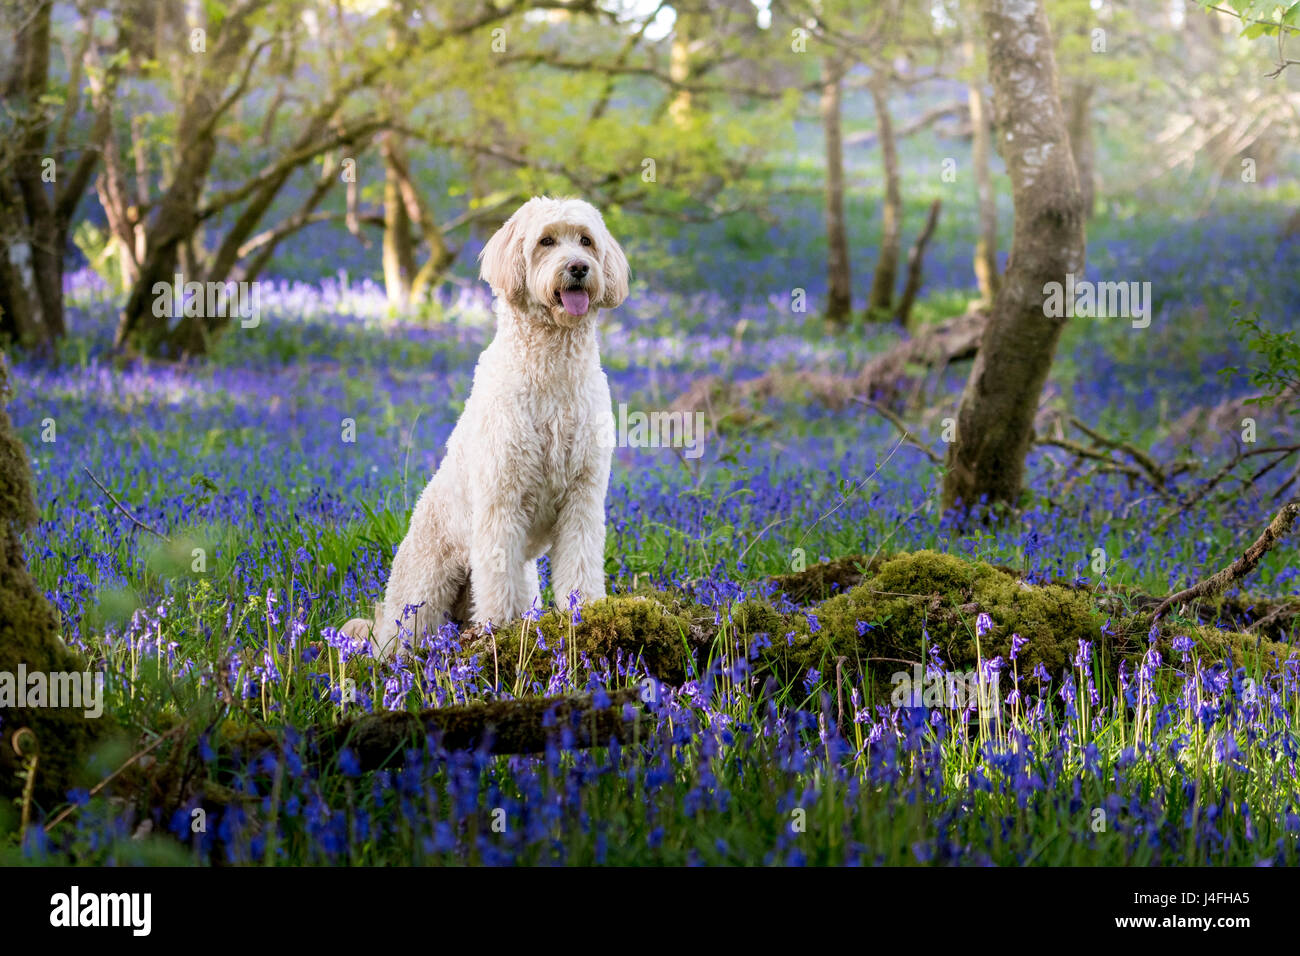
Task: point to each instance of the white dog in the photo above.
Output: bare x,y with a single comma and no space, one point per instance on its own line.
527,465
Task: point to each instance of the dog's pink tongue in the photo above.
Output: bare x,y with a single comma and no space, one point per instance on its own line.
575,301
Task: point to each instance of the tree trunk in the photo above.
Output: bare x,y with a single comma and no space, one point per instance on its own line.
915,261
41,235
177,213
881,300
173,237
995,419
1078,108
839,289
46,745
20,321
440,255
986,240
681,64
398,254
175,221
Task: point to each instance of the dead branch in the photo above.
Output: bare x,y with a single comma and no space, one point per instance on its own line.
1249,560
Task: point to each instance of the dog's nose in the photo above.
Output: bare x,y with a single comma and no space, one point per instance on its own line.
576,268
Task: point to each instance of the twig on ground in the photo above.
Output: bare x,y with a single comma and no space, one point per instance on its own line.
901,425
122,508
112,776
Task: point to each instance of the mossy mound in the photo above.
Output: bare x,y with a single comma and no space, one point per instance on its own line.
652,627
881,625
62,737
825,579
928,598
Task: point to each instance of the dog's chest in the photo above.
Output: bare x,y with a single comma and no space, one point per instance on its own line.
558,457
555,466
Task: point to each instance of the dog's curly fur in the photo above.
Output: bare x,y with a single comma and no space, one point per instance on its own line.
527,465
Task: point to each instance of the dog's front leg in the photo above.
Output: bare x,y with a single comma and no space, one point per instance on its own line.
500,580
578,552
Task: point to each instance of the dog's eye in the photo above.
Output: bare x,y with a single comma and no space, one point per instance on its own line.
586,240
547,241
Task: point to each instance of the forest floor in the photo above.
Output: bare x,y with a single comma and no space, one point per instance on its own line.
262,494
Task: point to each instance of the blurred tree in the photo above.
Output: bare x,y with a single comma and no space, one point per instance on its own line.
880,299
1099,64
986,460
1223,117
839,285
212,60
40,185
884,38
484,89
986,237
689,32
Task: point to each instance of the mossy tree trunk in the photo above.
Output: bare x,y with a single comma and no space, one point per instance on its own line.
839,301
995,419
56,738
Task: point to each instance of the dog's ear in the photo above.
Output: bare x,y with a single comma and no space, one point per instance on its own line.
503,264
613,263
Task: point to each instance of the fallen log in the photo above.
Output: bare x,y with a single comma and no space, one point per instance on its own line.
522,726
886,378
1214,422
1273,617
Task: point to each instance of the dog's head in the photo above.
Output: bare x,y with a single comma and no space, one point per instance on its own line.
554,258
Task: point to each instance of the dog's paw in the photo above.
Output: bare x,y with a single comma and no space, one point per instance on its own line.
380,648
357,627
